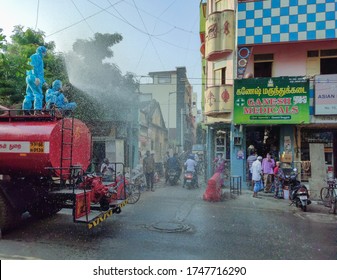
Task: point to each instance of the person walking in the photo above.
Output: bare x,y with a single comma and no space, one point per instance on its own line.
148,168
256,175
268,165
278,180
165,160
251,158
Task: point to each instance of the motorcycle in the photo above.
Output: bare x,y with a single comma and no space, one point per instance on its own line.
173,177
190,180
298,192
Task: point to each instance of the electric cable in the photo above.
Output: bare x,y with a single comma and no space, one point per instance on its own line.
83,17
37,14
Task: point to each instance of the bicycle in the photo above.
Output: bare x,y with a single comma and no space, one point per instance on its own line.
134,186
132,193
329,195
122,188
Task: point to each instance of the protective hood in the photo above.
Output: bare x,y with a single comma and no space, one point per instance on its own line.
41,50
57,85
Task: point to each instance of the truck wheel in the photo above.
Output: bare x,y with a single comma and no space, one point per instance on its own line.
8,216
44,209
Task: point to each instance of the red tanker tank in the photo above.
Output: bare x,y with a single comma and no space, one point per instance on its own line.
32,146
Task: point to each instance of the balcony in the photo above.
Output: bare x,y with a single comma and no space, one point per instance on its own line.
219,99
220,35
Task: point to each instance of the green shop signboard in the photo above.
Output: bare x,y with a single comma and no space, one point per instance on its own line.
283,100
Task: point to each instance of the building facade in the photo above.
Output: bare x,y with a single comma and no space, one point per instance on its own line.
175,95
270,82
152,132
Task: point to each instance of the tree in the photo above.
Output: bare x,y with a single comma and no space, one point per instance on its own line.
14,64
90,66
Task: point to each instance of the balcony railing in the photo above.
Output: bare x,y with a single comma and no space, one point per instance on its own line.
220,35
219,99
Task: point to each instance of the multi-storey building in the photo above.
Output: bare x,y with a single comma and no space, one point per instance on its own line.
270,80
175,95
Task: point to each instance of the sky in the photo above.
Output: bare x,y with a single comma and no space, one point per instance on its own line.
158,35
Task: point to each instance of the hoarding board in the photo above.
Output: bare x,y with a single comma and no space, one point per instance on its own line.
281,100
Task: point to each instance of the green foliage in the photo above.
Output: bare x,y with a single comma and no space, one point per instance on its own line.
87,67
104,93
97,49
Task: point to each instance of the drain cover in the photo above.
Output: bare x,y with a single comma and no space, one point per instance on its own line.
169,227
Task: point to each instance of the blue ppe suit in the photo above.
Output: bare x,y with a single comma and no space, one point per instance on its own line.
63,104
52,93
36,61
31,88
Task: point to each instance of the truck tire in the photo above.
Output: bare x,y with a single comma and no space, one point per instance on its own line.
44,209
8,216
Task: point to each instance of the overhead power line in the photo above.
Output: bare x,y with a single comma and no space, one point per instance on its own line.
83,17
37,14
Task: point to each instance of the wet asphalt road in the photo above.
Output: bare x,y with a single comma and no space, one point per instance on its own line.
175,223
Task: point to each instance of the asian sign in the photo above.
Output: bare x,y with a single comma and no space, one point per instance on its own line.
282,100
325,95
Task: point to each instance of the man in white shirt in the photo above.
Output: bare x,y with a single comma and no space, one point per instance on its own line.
190,166
256,175
107,170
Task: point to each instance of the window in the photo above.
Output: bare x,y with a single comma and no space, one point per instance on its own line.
263,69
220,76
321,62
218,5
263,65
312,54
164,79
329,65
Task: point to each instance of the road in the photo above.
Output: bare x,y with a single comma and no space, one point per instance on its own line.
174,223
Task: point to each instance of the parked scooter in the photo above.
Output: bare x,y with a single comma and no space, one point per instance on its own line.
298,193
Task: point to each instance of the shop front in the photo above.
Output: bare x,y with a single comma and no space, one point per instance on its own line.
267,112
318,140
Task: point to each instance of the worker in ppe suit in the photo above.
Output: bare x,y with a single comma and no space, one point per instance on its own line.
62,102
35,80
52,93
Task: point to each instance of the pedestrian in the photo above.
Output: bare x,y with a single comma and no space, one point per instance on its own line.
35,80
107,170
256,175
165,159
196,157
268,165
250,159
219,163
148,168
278,180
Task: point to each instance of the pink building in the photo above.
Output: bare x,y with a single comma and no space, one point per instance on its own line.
270,79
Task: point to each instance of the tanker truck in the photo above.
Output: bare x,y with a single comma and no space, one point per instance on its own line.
43,159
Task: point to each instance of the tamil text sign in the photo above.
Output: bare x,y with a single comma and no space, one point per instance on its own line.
283,100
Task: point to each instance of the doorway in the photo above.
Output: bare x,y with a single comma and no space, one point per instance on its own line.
98,154
265,139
